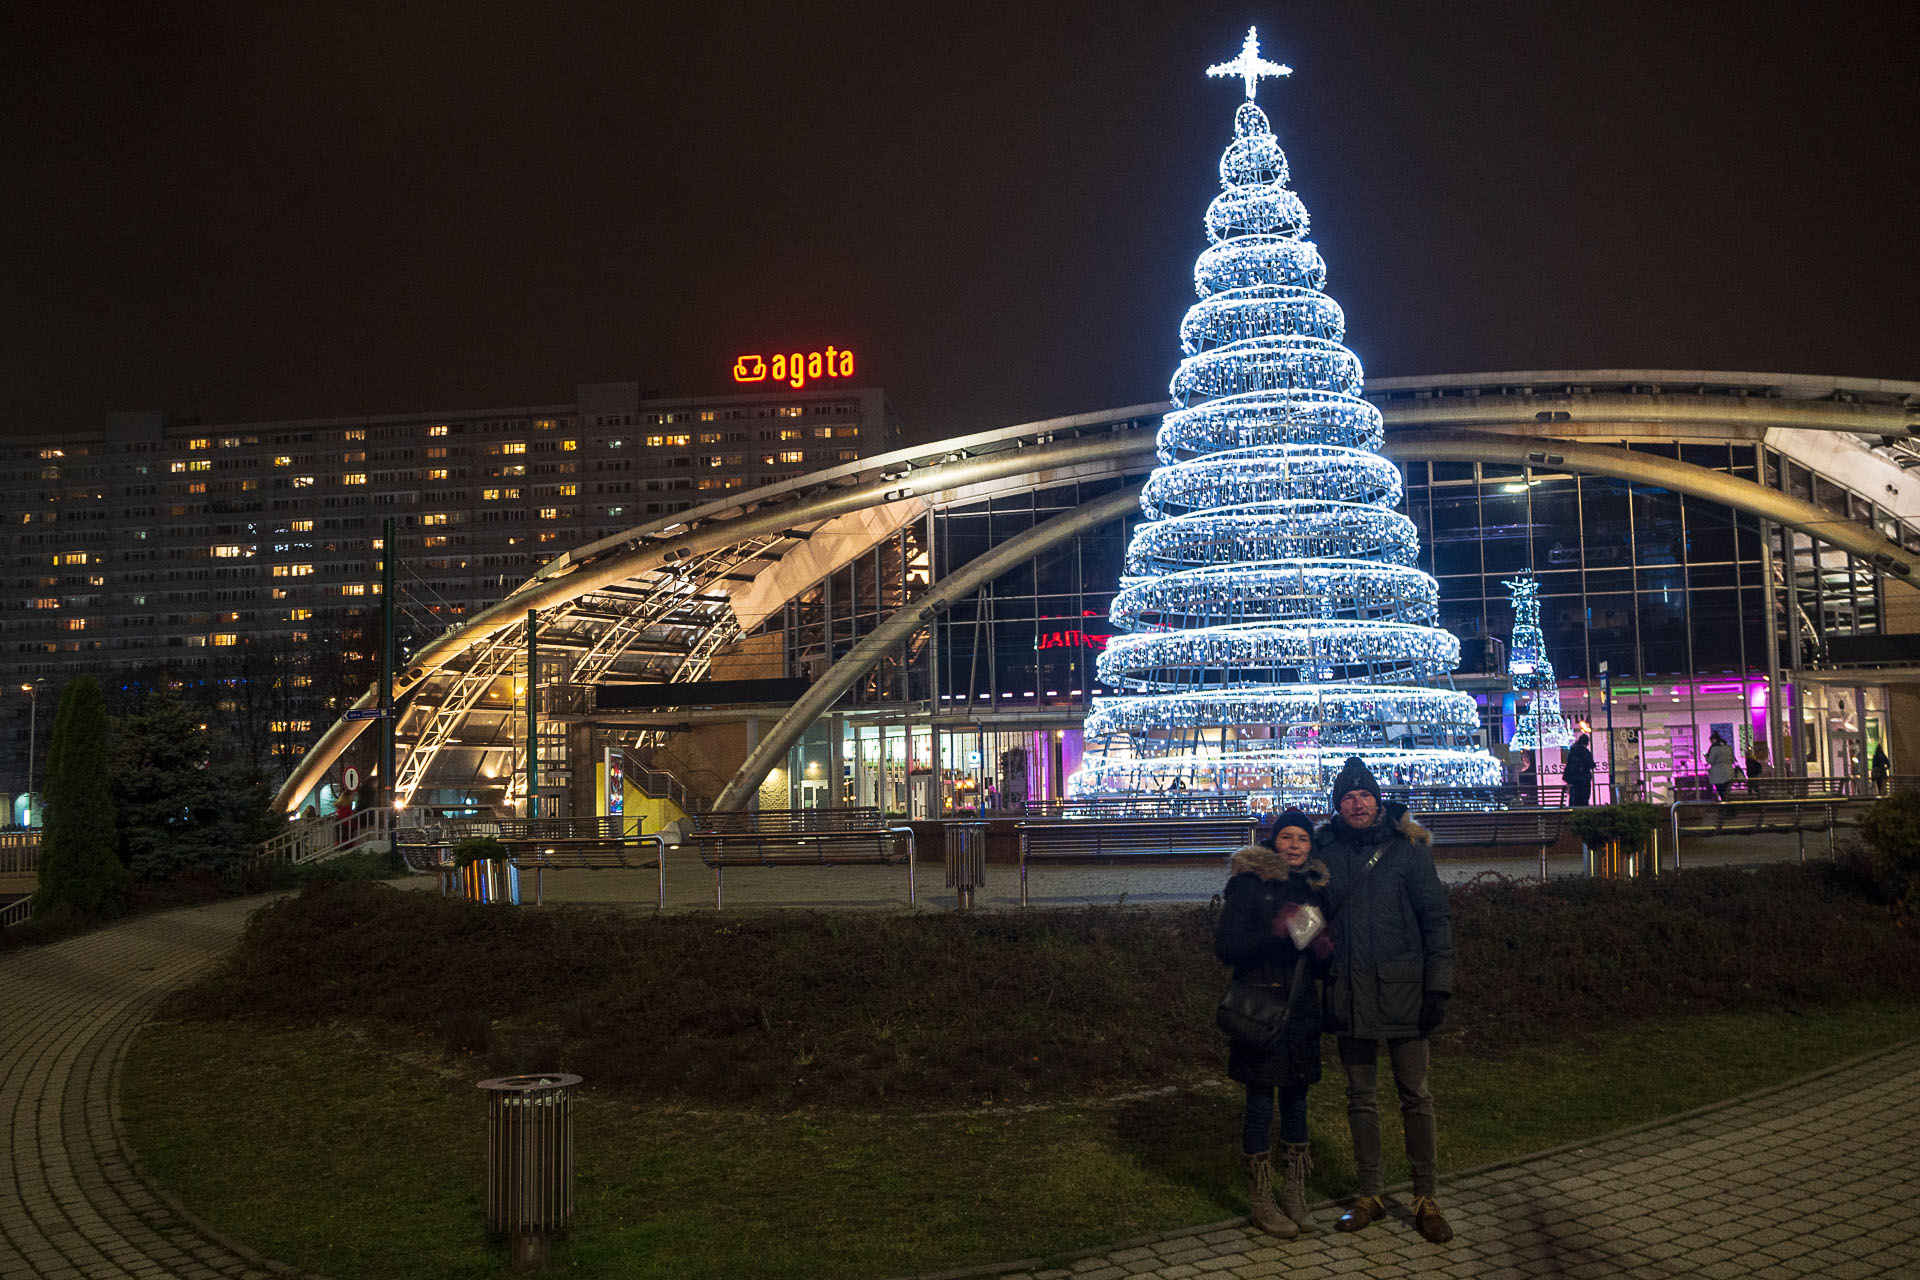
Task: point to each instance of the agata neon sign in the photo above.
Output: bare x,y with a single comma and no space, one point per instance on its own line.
1071,640
796,369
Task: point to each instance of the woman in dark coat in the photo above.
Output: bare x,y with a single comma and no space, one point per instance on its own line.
1269,884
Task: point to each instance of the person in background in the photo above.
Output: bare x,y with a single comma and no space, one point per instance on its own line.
1392,974
1719,765
1579,773
1268,885
1880,770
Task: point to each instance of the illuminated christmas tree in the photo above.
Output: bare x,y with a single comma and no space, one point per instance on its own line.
1541,725
1273,622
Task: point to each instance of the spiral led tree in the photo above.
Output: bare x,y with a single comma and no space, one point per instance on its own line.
1542,724
1272,620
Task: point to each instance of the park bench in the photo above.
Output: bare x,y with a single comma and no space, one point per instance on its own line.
797,837
541,845
1798,814
1103,839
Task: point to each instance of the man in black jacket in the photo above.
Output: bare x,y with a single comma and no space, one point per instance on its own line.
1392,973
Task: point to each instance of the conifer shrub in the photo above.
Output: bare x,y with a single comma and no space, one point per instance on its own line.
80,876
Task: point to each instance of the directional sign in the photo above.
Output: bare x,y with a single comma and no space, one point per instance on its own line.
352,779
365,713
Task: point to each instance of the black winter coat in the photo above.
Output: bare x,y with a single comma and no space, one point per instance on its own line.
1261,885
1393,936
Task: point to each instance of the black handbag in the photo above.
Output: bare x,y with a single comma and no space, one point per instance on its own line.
1254,1014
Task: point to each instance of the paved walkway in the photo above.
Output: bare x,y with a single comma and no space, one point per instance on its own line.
1813,1179
70,1203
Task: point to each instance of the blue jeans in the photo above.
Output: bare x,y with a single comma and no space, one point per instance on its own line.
1257,1123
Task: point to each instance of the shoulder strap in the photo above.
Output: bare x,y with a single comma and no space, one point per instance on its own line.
1377,855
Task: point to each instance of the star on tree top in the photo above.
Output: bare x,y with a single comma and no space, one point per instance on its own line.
1249,66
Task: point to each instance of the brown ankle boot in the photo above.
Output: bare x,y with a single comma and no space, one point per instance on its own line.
1428,1221
1266,1214
1365,1210
1293,1193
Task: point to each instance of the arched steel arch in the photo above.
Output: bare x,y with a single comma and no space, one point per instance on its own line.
763,523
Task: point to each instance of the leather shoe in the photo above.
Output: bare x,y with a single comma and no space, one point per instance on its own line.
1365,1210
1427,1220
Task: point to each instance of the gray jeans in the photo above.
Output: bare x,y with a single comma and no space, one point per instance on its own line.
1408,1059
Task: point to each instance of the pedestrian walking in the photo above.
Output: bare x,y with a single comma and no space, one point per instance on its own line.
1880,770
1579,772
1392,974
1269,887
1719,764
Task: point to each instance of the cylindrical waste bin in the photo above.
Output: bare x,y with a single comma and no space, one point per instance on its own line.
530,1161
966,860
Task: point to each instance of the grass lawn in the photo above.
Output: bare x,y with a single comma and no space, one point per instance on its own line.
322,1149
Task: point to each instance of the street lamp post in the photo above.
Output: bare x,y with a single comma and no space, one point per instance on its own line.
33,724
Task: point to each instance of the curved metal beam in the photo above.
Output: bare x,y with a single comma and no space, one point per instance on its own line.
901,625
1114,453
1665,473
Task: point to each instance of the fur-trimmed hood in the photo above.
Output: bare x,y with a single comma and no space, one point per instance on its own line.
1269,864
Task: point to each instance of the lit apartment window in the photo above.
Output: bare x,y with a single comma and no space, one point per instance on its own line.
197,487
438,451
96,579
710,437
47,602
437,540
823,433
517,469
434,517
299,615
354,477
229,442
357,433
228,551
790,411
198,442
436,431
436,473
549,513
200,464
569,446
71,557
549,535
247,486
789,433
53,453
514,446
279,593
302,526
303,482
354,455
568,490
224,638
176,467
489,495
353,589
792,455
847,433
849,455
293,571
74,624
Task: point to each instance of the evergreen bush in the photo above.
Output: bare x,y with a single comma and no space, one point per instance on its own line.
1891,830
81,875
1630,824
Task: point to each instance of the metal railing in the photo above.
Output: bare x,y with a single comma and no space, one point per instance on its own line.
19,852
311,839
18,912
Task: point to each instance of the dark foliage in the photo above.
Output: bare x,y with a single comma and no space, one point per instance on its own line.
80,875
1891,830
183,805
798,1008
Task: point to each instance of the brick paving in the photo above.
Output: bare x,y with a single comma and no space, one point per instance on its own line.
71,1205
1814,1178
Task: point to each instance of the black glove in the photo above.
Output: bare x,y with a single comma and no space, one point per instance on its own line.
1433,1011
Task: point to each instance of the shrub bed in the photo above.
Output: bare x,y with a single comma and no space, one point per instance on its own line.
795,1008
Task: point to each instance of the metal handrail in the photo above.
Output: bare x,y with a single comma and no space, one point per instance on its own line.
19,851
311,839
16,912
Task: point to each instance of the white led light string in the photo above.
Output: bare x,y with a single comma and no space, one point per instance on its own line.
1272,620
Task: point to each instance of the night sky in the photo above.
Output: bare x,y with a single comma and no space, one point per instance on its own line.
243,211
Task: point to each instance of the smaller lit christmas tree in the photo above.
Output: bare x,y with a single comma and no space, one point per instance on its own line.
1541,724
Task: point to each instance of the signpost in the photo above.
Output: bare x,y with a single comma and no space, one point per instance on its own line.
367,713
1606,699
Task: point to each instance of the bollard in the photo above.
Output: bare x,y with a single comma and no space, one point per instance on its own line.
966,860
529,1162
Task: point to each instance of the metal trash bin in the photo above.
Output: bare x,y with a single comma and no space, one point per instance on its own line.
966,860
530,1162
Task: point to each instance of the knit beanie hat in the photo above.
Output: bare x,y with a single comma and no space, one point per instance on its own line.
1354,776
1291,818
